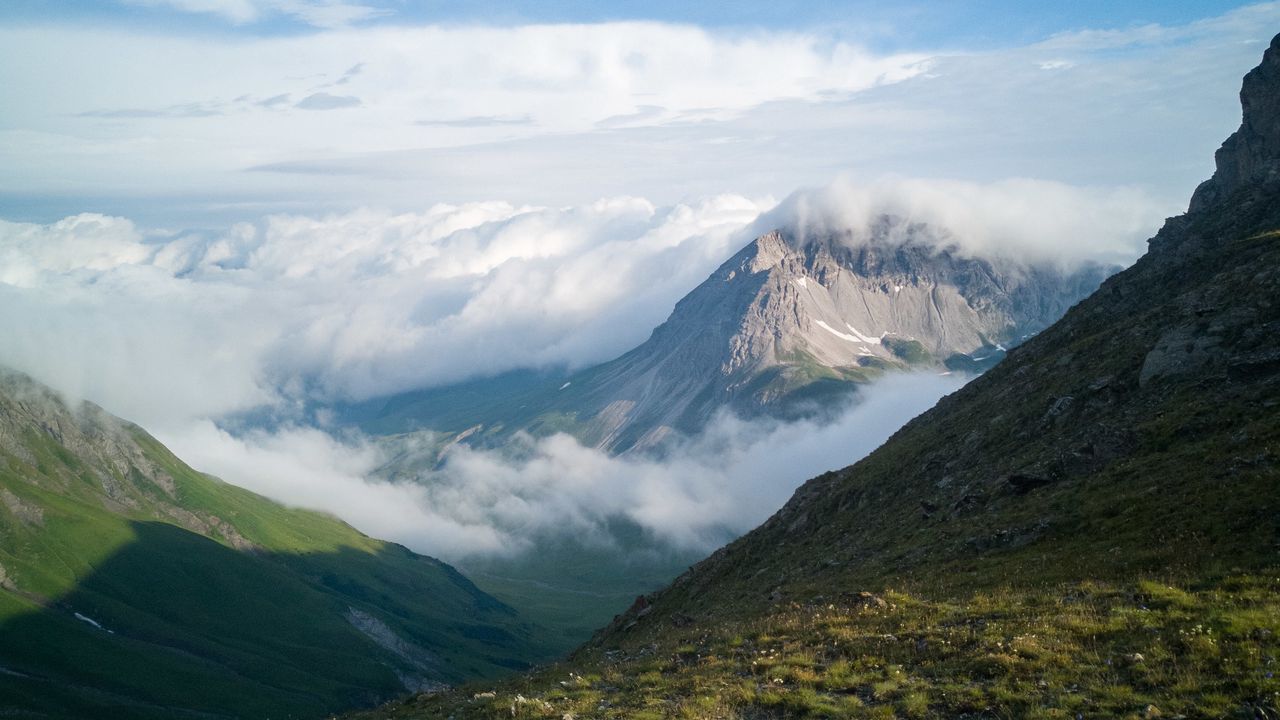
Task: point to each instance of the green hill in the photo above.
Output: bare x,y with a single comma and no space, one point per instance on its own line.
134,586
1090,529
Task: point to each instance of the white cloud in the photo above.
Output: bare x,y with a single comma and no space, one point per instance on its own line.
82,242
165,328
1031,220
319,13
167,131
131,113
482,503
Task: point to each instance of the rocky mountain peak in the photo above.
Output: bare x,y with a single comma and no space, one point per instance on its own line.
1252,153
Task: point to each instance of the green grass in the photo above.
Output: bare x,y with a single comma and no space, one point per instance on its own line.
218,601
912,352
1203,649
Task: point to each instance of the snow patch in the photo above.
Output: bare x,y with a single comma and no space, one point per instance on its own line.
866,338
836,332
91,621
566,385
802,282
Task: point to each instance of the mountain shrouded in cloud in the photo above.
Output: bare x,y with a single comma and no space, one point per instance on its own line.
349,306
294,312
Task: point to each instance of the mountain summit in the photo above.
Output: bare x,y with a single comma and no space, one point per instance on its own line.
787,327
790,323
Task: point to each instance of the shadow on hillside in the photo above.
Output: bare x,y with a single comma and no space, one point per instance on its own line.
175,624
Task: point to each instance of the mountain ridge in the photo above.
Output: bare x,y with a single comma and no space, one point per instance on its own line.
133,586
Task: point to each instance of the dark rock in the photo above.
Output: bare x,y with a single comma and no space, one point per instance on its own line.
1252,153
866,600
1023,483
1179,352
1254,366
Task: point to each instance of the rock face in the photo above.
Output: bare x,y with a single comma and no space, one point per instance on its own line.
1251,156
789,324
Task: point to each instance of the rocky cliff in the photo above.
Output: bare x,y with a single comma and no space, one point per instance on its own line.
790,324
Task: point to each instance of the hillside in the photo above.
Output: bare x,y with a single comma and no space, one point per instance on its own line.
134,586
1090,529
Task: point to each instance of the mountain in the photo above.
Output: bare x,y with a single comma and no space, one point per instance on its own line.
790,326
134,586
785,327
1089,529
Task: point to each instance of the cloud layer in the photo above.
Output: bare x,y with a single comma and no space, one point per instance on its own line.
295,309
1032,220
483,503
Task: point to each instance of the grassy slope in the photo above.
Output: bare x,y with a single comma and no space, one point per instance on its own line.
199,626
1145,648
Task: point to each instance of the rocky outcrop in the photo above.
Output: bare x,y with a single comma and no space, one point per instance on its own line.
1251,156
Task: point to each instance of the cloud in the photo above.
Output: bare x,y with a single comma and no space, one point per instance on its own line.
1030,220
295,309
643,114
1138,106
483,503
186,110
478,121
325,101
319,13
562,79
274,101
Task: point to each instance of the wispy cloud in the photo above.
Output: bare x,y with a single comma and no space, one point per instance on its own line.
274,101
642,115
326,101
186,110
477,121
319,13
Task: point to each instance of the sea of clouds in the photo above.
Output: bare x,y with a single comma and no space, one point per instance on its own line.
178,331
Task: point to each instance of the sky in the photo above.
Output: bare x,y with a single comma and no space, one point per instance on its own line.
211,207
200,113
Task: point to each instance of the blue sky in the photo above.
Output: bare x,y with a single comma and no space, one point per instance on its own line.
879,24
